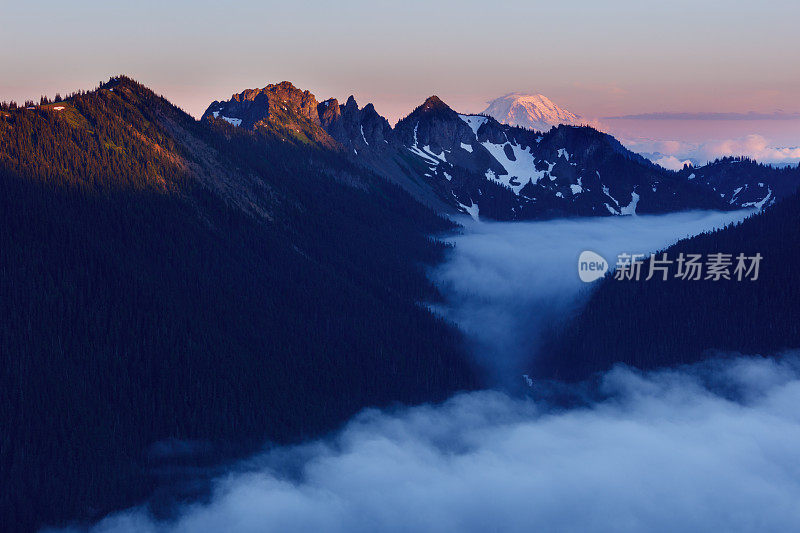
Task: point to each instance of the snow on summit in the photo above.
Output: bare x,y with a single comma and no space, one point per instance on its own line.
533,111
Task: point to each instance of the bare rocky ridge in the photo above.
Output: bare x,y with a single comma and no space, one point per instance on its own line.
354,127
280,107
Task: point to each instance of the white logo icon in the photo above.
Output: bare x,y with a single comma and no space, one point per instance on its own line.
591,266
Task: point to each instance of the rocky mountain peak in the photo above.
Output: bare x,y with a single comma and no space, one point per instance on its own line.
433,103
328,111
433,108
351,102
353,127
280,101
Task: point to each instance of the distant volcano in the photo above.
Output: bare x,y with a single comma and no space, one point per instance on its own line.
534,111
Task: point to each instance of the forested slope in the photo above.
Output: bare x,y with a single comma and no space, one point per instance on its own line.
657,323
166,279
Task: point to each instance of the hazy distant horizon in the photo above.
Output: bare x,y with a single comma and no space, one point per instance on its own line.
598,60
618,58
664,138
392,106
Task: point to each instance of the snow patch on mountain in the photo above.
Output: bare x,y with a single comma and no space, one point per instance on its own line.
425,152
519,172
760,204
474,122
630,209
234,121
472,210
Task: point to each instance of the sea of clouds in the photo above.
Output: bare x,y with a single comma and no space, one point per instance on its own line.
710,447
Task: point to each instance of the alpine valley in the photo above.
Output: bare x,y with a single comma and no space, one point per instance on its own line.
178,293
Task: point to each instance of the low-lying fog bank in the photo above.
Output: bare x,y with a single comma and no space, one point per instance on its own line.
712,447
505,281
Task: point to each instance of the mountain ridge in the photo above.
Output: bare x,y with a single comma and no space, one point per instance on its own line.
474,164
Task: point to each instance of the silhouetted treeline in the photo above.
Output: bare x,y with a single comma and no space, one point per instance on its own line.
657,323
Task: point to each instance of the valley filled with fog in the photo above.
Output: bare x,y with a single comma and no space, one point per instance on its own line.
695,448
507,281
703,448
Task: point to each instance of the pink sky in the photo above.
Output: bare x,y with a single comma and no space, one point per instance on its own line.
594,58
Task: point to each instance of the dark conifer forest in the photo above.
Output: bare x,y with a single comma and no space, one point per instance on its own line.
655,323
169,280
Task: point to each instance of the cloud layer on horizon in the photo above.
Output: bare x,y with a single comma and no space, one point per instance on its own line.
752,115
674,154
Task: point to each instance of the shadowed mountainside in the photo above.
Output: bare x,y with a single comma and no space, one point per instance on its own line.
656,323
173,281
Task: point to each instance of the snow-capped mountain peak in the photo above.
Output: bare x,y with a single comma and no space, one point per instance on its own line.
534,111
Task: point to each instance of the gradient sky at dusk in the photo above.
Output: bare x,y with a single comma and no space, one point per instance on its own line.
594,58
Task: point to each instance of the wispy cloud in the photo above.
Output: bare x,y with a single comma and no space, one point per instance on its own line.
752,115
670,162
